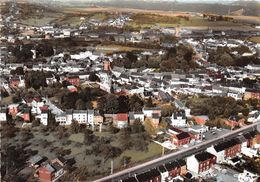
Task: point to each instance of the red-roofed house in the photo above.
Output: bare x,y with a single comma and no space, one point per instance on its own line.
121,120
74,80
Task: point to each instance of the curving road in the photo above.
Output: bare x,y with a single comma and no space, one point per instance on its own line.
176,155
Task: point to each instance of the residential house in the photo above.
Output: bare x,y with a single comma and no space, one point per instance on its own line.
179,137
224,150
235,95
121,120
35,161
43,117
183,166
173,168
251,94
72,88
248,175
73,79
155,120
164,173
136,116
149,176
201,119
98,119
254,116
50,171
25,114
252,138
149,111
179,119
201,162
80,115
3,115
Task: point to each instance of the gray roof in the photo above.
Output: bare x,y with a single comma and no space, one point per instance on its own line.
35,159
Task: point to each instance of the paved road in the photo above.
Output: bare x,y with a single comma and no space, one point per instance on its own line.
176,155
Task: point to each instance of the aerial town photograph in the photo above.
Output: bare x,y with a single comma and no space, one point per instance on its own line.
130,90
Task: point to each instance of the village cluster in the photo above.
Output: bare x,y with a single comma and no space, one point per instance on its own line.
184,129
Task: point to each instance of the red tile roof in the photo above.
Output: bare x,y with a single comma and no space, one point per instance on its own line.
122,116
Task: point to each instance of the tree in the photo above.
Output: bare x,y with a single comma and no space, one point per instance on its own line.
149,128
36,122
17,71
137,127
124,139
93,77
135,103
88,137
149,103
225,60
123,104
110,104
125,160
80,105
167,110
74,127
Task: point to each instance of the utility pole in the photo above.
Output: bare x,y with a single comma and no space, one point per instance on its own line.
100,127
112,166
162,150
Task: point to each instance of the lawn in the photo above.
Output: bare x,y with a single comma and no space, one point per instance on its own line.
255,39
7,100
137,156
79,137
37,21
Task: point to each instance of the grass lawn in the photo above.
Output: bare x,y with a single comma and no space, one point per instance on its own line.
37,21
79,137
7,100
137,156
255,39
115,48
72,20
99,16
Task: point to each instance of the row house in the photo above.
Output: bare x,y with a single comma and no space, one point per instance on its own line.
201,162
82,116
224,150
149,176
252,138
251,94
173,169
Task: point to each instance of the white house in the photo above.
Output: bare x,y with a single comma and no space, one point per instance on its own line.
220,154
254,116
82,116
136,115
179,119
248,176
164,173
235,95
201,162
43,117
149,111
3,115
